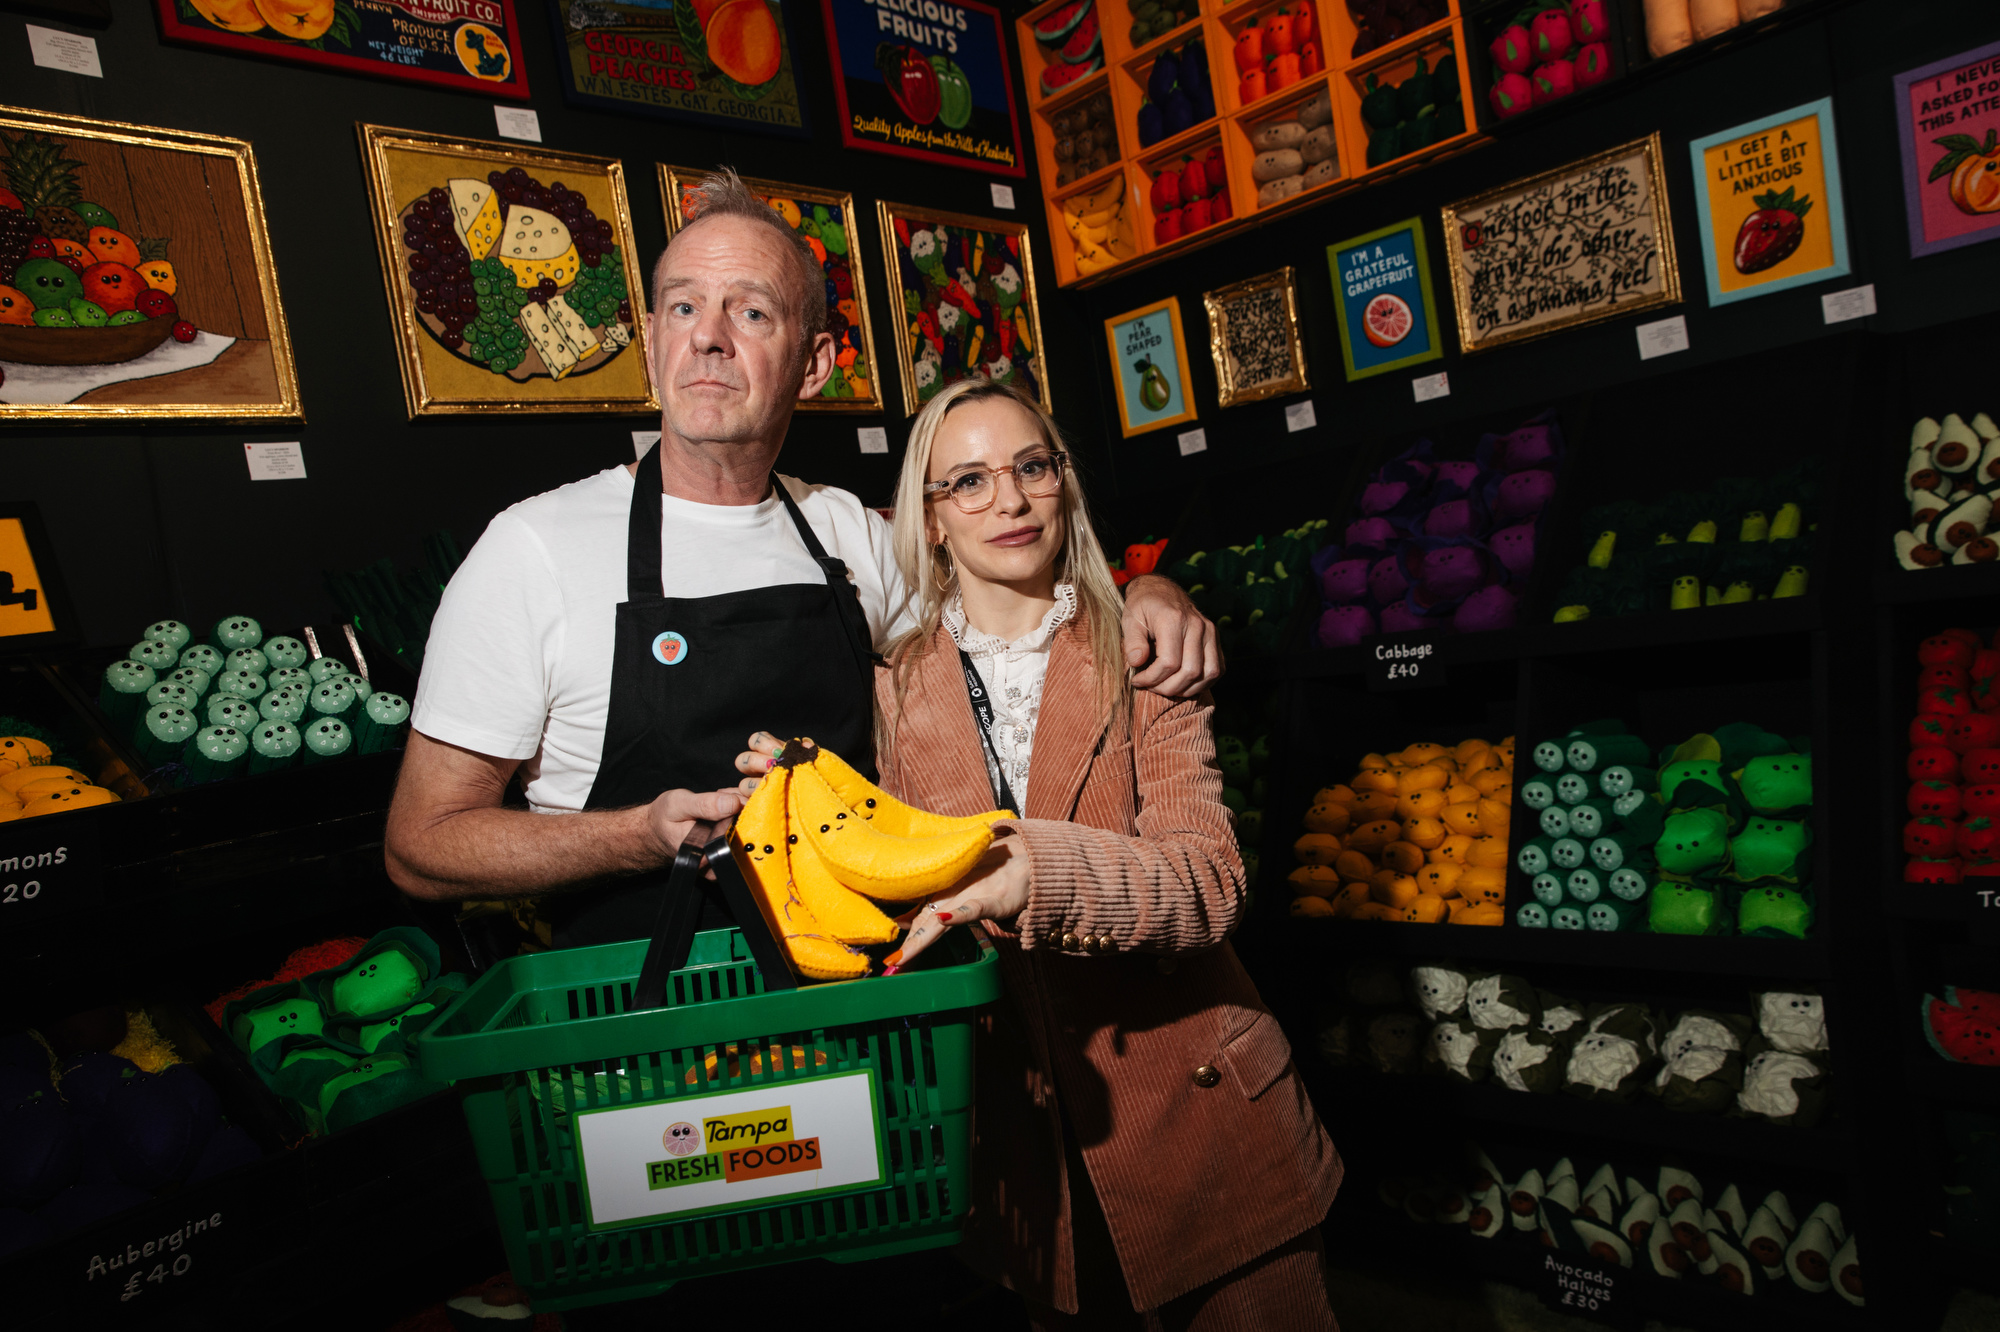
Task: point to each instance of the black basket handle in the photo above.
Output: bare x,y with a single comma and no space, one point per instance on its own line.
688,887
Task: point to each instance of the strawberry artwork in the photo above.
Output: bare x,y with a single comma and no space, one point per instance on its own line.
1770,235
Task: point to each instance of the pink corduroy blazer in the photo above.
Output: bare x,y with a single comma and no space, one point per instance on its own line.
1123,996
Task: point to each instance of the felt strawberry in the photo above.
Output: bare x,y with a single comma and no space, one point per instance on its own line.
1512,51
1976,730
1770,235
1510,95
1552,82
1934,800
1588,21
1929,728
1931,871
1949,675
1550,36
1928,839
1977,767
1948,648
1977,839
1933,763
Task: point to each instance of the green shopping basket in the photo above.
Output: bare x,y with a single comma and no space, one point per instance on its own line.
738,1125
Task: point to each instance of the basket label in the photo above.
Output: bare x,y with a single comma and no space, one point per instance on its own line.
670,1159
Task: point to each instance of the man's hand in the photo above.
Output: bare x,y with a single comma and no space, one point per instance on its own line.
1163,627
996,889
676,817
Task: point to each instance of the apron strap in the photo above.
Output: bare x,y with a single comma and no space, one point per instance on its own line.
642,534
846,599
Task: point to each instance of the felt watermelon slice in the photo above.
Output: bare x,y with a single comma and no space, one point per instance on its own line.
1084,43
1959,1034
1058,25
1056,75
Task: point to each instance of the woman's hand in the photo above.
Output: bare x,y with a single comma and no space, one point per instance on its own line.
761,757
996,889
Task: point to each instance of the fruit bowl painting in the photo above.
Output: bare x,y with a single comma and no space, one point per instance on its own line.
135,277
511,278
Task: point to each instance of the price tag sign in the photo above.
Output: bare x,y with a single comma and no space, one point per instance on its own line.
1405,662
50,869
1576,1285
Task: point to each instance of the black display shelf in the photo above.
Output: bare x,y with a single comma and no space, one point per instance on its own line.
1714,954
1941,1080
1960,904
1953,582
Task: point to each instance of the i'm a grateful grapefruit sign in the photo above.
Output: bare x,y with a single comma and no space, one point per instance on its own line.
1387,317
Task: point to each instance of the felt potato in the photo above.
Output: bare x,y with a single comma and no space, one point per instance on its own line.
1428,776
1454,849
1422,752
1403,857
1487,914
1377,911
1317,849
1440,877
1351,864
1373,763
1463,819
1487,853
1276,164
1350,896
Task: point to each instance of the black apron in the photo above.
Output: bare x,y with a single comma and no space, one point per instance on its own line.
692,677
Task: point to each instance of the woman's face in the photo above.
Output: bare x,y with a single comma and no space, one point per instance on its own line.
1015,539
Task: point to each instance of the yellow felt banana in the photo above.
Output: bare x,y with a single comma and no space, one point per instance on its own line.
841,912
870,861
886,812
759,845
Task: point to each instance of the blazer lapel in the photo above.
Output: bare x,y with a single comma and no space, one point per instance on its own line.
938,723
1067,729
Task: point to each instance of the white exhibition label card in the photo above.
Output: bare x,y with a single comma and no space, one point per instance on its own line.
1192,441
276,462
1663,337
53,48
874,439
669,1159
518,122
1299,416
1003,196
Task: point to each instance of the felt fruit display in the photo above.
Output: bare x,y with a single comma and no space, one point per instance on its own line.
1964,1025
1085,139
1179,94
820,845
1295,152
1440,543
1154,19
1099,223
1277,51
1072,47
962,295
1672,25
1951,479
1418,836
1744,539
43,788
1424,109
1379,22
1546,51
98,1113
1141,557
1251,591
1953,800
66,264
1661,1219
1188,195
1710,836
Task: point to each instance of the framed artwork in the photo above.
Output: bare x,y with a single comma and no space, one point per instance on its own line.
34,610
512,279
1949,124
468,45
1771,216
826,219
967,290
933,85
1589,241
136,280
1382,298
725,63
1150,367
1253,338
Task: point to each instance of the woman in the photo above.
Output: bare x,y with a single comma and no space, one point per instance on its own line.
1143,1141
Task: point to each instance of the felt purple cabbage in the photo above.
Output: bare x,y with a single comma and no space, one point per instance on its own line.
1488,608
1344,626
1537,442
1370,536
1455,518
1386,580
1381,497
1402,618
1514,547
1521,495
1413,465
1344,582
1444,570
1459,477
1324,558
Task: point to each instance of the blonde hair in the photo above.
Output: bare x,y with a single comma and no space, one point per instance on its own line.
931,577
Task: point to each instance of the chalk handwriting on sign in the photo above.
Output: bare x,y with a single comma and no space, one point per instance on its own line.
1403,663
1584,242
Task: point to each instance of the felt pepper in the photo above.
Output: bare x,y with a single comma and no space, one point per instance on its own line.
1934,800
1378,104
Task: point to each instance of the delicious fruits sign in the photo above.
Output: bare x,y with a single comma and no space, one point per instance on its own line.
1950,118
925,79
470,45
723,62
1382,296
1770,197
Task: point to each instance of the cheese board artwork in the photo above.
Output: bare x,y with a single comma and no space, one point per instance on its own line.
135,276
512,280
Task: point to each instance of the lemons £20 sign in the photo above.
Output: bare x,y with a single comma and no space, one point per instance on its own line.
24,607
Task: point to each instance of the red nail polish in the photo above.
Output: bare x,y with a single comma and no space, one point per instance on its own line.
890,971
944,917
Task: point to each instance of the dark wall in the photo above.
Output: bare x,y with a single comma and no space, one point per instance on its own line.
151,522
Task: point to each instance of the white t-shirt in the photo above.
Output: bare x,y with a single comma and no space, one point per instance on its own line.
518,664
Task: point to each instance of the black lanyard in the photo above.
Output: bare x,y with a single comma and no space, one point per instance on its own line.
982,710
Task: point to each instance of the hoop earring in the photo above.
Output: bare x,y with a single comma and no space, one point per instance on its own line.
943,574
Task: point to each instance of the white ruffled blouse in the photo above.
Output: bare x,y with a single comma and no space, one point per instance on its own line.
1013,673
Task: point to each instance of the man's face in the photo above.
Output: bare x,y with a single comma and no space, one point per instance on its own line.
725,334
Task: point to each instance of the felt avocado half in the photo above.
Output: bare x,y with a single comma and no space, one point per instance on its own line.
1489,1212
1810,1258
1766,1240
1524,1200
1847,1273
1602,1242
1635,1223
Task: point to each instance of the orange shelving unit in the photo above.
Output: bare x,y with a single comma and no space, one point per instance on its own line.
1119,70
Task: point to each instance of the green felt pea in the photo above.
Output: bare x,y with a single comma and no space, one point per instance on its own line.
1769,849
1777,782
1680,908
1770,910
383,981
290,1017
1692,840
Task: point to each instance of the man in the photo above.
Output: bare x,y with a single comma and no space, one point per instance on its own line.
621,635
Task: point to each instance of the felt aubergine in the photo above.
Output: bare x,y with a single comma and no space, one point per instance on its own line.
193,1090
1460,1049
1501,1003
1775,783
1783,1088
1547,889
1635,1223
1530,1060
1769,911
1702,1062
1793,1021
1846,1274
1610,915
1612,1055
40,1152
1766,1240
82,1205
227,1148
1345,626
148,1134
1677,907
20,1230
88,1080
1345,581
1810,1257
1439,992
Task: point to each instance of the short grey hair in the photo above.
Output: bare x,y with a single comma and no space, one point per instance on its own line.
725,195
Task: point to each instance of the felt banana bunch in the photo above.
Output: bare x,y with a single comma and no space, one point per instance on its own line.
818,840
1099,226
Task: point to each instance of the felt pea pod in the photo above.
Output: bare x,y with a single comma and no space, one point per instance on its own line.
1612,914
1567,853
1547,889
1554,821
1591,818
1566,917
1769,848
1592,753
1774,783
1583,886
1770,911
1533,857
1537,793
1677,907
1572,788
1531,916
1628,884
1620,779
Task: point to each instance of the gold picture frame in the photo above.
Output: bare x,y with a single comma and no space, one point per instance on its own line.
841,393
167,226
539,354
1573,208
1269,300
922,274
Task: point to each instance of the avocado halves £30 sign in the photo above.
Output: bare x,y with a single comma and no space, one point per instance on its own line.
927,79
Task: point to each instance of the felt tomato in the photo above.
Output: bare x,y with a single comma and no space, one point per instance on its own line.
1946,674
1946,699
1930,728
1977,767
1980,802
1927,839
1935,763
1934,800
1947,648
1931,871
1977,730
1980,869
1978,839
